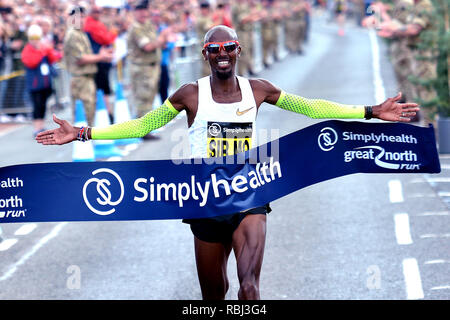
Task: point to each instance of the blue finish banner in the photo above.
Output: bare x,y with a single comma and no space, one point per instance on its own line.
198,188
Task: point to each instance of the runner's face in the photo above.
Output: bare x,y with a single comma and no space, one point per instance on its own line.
223,62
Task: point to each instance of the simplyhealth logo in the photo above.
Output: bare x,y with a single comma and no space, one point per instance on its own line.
104,198
327,139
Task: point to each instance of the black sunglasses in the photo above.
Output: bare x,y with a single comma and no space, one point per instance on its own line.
228,46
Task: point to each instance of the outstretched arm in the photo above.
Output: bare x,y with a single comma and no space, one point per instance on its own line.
389,110
130,129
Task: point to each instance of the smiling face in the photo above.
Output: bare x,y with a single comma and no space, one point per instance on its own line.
223,62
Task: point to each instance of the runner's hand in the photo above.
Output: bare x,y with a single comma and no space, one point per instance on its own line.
64,134
391,110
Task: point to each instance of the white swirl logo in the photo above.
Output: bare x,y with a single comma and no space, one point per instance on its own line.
214,129
327,139
105,197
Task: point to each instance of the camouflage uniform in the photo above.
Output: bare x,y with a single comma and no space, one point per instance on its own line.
268,35
204,23
424,63
300,26
244,32
82,85
401,54
290,30
144,68
296,27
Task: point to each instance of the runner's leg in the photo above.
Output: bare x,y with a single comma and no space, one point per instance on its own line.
248,245
211,259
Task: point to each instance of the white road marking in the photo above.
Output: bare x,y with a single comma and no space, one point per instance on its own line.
440,288
402,230
413,281
435,213
440,179
444,193
7,243
437,261
433,235
53,233
10,130
380,92
395,191
25,229
421,195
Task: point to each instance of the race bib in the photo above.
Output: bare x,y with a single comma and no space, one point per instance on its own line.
228,138
45,69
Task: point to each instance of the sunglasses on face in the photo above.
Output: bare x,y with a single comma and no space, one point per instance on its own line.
214,47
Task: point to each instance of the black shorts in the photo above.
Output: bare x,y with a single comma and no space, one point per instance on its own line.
101,79
221,228
39,99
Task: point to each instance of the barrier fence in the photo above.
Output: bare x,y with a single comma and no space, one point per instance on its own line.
185,66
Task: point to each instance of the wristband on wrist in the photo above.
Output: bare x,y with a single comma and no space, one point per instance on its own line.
83,134
368,112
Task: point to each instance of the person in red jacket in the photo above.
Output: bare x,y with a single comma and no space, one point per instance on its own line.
38,59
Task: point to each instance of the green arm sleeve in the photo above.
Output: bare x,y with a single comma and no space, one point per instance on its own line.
318,108
137,128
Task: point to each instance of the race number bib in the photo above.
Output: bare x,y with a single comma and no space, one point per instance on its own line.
45,70
228,138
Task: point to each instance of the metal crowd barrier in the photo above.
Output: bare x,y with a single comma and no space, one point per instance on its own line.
185,67
15,98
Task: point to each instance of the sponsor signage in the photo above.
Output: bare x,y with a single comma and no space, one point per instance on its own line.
164,189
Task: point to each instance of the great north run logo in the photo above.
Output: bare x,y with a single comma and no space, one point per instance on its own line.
406,160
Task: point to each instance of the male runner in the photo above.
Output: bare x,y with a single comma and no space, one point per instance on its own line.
230,101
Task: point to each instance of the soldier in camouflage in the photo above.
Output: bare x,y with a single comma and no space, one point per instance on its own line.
423,61
243,22
400,53
81,62
203,24
296,26
144,55
268,32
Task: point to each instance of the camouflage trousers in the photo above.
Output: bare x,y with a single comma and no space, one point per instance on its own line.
83,88
402,59
295,34
245,59
425,68
269,44
144,80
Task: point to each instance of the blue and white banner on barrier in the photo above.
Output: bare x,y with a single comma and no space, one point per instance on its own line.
197,188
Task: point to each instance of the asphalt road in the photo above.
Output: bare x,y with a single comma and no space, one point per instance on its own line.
355,237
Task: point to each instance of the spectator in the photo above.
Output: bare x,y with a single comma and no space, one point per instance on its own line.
144,45
37,58
203,23
222,16
81,62
167,48
99,35
15,86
